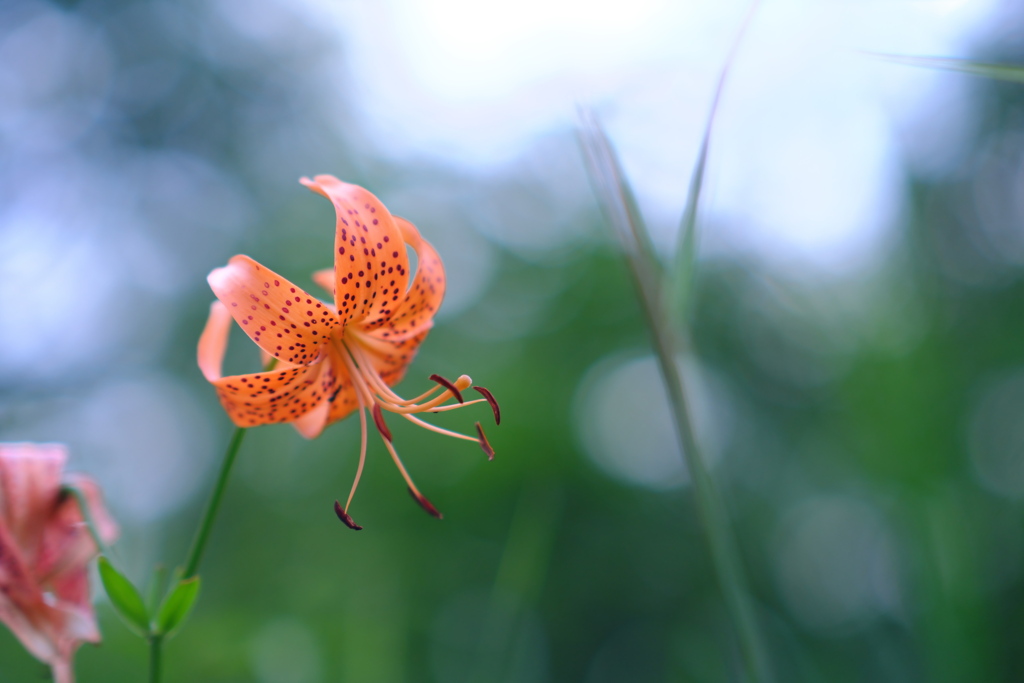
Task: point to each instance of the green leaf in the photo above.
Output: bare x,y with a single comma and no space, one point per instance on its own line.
177,605
999,72
124,597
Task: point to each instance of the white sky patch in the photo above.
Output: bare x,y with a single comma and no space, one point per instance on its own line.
806,162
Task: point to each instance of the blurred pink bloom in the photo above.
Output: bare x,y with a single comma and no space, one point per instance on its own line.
45,548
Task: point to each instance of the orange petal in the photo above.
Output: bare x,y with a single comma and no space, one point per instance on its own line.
416,312
214,341
371,267
312,423
389,358
276,396
345,400
284,320
325,278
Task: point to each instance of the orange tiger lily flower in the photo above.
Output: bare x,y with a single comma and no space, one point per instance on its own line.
334,359
45,549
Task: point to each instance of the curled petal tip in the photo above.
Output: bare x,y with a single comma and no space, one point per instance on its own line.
449,386
484,443
424,503
345,517
378,419
492,401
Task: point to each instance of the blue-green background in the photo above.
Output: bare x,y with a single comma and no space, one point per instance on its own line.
872,470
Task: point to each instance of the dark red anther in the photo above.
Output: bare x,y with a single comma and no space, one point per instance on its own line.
494,403
378,419
484,443
449,386
424,503
345,517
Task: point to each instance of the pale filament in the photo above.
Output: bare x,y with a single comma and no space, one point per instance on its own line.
440,430
361,387
359,355
400,405
371,390
362,454
358,381
456,406
401,468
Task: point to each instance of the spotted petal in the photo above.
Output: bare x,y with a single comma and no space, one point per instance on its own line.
275,396
415,314
371,267
282,318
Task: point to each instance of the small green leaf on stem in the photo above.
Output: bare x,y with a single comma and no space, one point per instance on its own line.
177,606
124,597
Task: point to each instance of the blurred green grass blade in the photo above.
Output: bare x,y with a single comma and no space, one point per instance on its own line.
680,288
177,606
124,597
619,203
1000,72
683,269
156,587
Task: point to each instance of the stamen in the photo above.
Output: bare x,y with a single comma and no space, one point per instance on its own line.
345,517
448,385
435,428
455,406
378,419
424,503
494,403
415,492
363,392
362,455
365,366
484,443
367,380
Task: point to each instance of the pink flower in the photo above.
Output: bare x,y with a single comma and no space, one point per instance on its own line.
45,548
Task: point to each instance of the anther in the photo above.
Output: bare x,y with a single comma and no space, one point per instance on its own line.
378,419
424,503
449,386
494,403
484,443
345,517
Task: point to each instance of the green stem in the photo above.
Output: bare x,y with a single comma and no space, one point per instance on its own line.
155,642
195,553
90,521
724,552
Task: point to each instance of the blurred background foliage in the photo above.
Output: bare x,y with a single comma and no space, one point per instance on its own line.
864,425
